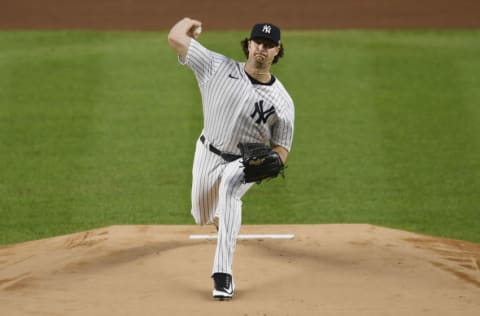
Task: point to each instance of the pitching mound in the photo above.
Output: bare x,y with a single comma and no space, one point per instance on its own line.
159,270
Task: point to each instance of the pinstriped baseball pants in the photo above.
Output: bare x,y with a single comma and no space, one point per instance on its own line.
217,190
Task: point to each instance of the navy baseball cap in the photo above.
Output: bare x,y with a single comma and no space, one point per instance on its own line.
266,30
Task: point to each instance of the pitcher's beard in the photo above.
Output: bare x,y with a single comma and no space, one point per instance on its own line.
260,63
258,67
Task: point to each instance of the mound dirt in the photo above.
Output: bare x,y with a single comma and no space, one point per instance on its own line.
323,270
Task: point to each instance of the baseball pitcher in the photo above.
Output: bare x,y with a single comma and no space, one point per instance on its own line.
247,132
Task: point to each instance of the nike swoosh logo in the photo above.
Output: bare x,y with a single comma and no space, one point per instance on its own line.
232,76
229,290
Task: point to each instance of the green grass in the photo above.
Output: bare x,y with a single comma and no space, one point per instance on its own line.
98,128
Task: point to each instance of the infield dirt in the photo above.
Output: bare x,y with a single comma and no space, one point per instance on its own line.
229,14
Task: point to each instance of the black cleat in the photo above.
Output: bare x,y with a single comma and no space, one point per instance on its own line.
224,286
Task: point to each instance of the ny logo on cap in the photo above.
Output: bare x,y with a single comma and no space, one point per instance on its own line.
266,28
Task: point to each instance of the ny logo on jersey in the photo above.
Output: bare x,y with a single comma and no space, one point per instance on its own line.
262,115
266,29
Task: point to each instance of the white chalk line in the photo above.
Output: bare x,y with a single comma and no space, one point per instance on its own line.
248,236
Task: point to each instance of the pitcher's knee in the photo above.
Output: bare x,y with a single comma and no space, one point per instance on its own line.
196,216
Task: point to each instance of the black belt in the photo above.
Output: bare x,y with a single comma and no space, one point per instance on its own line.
226,156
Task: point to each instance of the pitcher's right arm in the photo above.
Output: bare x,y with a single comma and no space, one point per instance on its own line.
181,34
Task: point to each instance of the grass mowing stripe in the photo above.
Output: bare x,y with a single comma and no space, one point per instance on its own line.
48,99
427,135
377,139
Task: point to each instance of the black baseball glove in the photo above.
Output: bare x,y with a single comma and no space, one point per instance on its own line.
260,162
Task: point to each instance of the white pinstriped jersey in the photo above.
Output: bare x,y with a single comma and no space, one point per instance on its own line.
234,109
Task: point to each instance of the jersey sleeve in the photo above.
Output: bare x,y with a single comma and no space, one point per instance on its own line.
202,61
282,130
